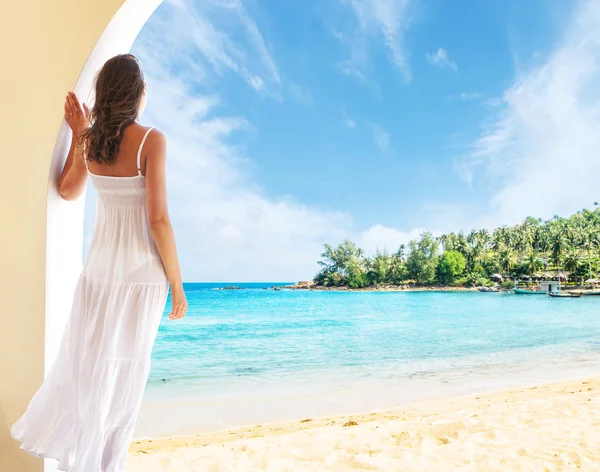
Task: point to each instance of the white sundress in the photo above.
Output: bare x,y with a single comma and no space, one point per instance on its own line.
84,414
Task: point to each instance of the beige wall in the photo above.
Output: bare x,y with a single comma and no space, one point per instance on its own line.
44,45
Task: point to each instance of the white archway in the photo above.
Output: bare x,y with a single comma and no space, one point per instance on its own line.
64,220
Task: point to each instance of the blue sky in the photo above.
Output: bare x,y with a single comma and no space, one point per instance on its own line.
295,123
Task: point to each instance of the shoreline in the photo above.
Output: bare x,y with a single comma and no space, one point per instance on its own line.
311,287
176,411
517,415
300,424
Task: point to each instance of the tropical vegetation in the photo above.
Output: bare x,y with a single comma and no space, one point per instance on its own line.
533,248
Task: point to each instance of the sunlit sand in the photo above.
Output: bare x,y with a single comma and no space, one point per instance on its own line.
550,427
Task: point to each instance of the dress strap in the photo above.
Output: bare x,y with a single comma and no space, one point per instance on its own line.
139,154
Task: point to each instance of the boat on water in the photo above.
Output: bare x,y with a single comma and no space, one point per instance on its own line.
564,294
555,291
543,287
522,291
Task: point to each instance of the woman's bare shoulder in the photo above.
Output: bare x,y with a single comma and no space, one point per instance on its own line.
137,129
156,142
156,136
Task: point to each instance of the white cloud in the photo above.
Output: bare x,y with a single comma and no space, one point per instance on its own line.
381,138
539,150
355,64
194,40
447,216
257,39
380,237
386,20
227,229
440,58
256,83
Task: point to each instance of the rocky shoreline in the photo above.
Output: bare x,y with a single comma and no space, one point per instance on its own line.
311,286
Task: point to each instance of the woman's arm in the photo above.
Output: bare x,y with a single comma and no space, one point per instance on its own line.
74,175
158,218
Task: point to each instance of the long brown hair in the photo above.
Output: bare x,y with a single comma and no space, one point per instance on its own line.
119,89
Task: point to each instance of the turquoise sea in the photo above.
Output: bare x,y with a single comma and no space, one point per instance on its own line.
257,355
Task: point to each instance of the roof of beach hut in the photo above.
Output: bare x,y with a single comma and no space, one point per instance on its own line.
592,281
562,275
496,276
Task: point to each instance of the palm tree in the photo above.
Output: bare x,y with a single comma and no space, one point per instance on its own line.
472,237
379,267
342,259
524,236
510,237
571,261
484,242
572,243
536,237
401,253
476,254
507,260
558,246
590,242
498,239
360,253
329,259
532,263
394,269
556,260
540,239
462,245
570,231
484,236
443,241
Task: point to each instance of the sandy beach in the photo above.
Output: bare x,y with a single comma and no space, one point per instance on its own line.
551,427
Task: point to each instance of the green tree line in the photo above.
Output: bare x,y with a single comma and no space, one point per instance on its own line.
535,246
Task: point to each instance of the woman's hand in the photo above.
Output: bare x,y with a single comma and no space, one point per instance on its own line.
76,116
179,302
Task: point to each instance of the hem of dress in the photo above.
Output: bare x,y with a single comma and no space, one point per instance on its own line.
42,456
39,455
60,466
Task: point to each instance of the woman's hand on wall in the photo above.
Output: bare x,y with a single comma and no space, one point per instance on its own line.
77,117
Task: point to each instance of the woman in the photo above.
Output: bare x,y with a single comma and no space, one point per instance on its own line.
84,413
